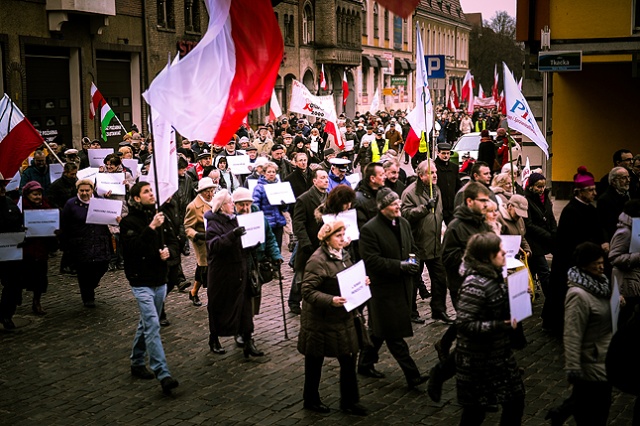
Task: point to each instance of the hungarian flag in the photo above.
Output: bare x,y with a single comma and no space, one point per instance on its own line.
323,80
421,118
345,89
99,103
494,89
274,111
230,72
18,138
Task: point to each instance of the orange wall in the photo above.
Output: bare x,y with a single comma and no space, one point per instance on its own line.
571,19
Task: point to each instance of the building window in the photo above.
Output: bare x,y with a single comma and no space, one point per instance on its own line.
636,16
165,14
405,25
192,15
376,19
386,25
308,24
288,30
364,18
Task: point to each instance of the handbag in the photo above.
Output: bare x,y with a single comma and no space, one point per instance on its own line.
265,271
364,340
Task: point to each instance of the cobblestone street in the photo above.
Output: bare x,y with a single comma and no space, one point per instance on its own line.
71,367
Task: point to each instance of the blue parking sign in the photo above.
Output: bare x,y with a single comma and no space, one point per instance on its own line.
435,66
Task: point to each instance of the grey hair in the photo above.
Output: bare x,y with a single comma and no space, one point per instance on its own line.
424,166
615,172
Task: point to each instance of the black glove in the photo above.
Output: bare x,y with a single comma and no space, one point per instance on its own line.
199,236
409,268
239,231
574,376
431,204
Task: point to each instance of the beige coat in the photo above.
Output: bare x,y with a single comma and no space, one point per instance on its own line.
194,223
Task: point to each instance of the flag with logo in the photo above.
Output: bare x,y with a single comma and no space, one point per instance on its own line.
303,102
421,118
519,115
99,103
18,138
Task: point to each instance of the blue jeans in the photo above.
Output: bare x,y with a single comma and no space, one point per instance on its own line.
147,339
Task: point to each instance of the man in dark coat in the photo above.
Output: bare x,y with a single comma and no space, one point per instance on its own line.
145,265
385,245
611,203
305,228
278,157
392,177
64,188
448,180
372,180
300,178
38,171
11,272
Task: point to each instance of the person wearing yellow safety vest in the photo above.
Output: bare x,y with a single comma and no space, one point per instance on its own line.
376,144
481,123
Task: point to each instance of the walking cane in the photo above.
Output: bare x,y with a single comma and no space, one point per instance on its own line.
284,317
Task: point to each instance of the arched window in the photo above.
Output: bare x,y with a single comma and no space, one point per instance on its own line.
308,24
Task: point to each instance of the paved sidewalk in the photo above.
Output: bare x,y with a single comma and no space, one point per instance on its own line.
71,367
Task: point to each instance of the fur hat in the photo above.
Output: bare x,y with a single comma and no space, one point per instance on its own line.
533,178
385,197
205,183
219,199
583,178
328,229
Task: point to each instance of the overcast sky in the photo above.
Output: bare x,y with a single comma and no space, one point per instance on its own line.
488,8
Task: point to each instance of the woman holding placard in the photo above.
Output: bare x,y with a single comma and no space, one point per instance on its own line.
113,164
273,214
89,245
486,370
326,328
227,180
36,249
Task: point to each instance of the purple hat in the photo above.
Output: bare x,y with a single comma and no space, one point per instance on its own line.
30,187
583,178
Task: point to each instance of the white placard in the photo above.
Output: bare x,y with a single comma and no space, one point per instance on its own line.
41,223
252,183
88,173
239,164
14,183
254,225
279,192
519,297
353,287
103,211
511,245
353,179
9,249
19,203
350,219
634,247
314,146
616,280
97,156
55,171
106,182
132,164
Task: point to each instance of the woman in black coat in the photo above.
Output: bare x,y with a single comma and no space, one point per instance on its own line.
229,307
326,328
87,245
486,370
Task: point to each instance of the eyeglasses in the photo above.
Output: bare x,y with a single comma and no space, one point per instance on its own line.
623,178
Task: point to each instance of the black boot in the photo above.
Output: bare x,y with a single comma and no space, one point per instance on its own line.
250,347
215,346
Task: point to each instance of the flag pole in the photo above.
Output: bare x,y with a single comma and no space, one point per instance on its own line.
424,134
52,152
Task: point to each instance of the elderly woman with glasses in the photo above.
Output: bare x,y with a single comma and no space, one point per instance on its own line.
578,223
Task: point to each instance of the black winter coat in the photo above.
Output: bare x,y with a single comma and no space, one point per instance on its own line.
227,275
83,242
325,330
306,225
391,290
609,207
300,181
541,224
141,247
61,191
449,184
465,224
365,203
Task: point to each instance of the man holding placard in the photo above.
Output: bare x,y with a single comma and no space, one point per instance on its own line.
10,270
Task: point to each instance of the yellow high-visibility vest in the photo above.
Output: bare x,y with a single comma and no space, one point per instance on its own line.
375,151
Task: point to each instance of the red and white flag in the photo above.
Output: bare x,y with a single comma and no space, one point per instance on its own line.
345,89
18,138
520,84
526,172
323,79
494,90
481,92
421,118
502,106
274,111
231,71
519,115
453,103
467,87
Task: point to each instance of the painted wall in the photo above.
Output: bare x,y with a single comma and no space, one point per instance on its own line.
590,19
595,112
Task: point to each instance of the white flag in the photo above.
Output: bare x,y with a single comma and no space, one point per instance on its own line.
519,115
375,102
421,118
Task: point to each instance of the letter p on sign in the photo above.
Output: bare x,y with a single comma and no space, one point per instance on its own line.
435,66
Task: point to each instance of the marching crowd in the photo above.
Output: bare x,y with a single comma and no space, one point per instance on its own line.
439,219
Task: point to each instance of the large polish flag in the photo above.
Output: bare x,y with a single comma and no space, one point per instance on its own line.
274,109
18,138
519,115
230,72
421,118
323,79
345,89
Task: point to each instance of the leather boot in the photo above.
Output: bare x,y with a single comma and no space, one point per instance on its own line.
37,308
250,347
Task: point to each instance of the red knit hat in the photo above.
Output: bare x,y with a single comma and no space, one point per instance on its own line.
583,178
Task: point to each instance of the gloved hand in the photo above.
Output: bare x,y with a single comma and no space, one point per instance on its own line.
239,231
409,268
574,376
199,236
431,204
